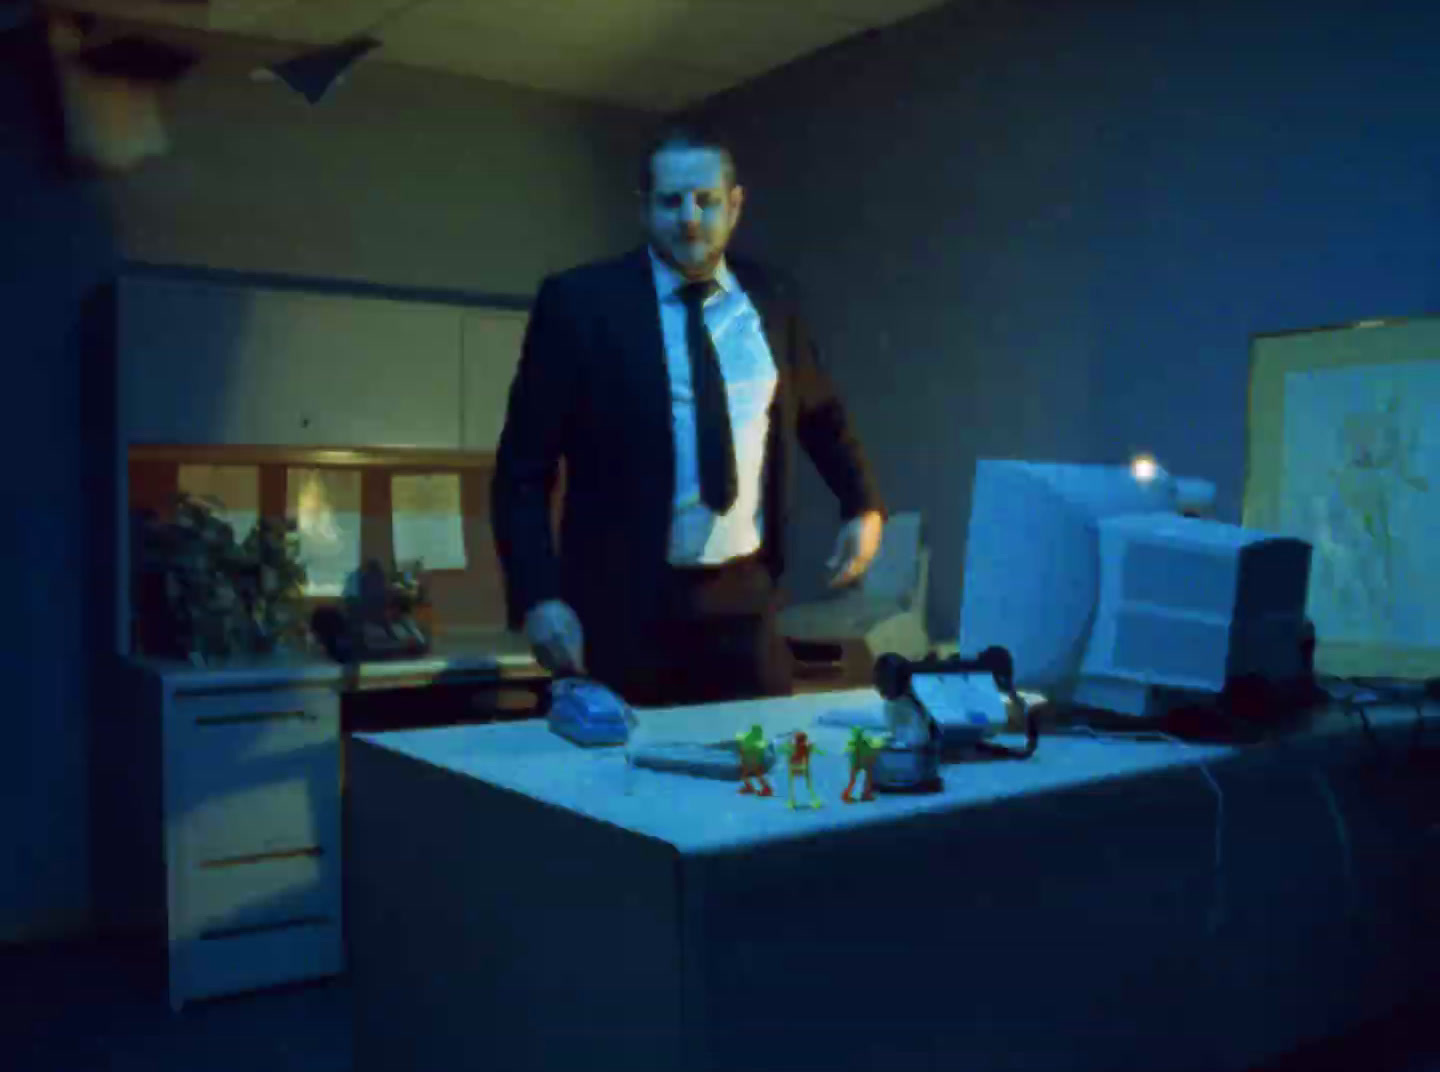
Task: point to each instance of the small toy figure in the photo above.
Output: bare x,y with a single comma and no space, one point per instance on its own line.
864,749
797,756
753,747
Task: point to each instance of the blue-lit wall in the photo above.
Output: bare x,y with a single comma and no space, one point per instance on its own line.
1050,229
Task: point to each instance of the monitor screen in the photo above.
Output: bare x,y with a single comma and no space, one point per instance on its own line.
1032,559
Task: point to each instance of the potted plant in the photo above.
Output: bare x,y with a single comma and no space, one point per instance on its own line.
201,594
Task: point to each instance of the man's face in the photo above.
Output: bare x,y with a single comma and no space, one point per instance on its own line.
692,209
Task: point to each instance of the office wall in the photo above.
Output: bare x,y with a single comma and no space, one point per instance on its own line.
401,178
1048,230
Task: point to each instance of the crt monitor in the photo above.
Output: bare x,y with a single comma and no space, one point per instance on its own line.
1108,598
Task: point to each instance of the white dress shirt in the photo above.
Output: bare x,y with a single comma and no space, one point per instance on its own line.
698,536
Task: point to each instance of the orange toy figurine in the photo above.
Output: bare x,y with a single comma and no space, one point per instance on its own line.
797,757
753,747
864,749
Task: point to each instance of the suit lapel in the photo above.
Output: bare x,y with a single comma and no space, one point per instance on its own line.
775,321
645,380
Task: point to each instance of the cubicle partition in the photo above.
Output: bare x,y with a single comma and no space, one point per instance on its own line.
220,372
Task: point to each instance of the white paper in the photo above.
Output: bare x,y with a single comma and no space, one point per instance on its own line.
325,505
427,520
232,492
1362,474
956,700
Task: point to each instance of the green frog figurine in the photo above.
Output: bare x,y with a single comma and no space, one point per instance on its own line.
753,749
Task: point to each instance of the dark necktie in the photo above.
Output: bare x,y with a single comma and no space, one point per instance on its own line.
714,441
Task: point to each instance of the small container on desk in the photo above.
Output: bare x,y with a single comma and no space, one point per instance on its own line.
909,762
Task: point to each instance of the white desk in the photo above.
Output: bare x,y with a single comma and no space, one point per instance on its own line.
516,902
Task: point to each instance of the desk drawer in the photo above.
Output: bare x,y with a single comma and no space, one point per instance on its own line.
300,812
249,895
233,964
253,773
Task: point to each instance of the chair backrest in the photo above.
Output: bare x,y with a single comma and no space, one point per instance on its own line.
896,572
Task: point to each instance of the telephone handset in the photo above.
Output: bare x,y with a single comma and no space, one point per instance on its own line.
965,700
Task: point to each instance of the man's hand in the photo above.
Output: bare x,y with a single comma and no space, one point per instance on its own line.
554,632
855,548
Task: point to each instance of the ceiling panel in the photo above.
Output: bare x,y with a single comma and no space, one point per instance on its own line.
699,34
617,76
656,55
327,21
192,15
217,15
862,12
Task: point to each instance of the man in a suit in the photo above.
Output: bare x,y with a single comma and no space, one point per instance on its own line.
674,383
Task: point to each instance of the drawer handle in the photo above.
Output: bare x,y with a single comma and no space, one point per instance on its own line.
259,857
259,716
262,928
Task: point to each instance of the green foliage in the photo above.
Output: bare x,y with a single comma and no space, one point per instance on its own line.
221,596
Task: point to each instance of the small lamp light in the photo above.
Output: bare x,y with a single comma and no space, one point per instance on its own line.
1193,498
1145,468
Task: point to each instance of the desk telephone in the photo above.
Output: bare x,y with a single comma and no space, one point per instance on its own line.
588,713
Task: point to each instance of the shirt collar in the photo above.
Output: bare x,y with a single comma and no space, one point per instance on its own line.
668,280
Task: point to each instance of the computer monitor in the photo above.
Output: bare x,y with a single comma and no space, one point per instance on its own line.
1107,597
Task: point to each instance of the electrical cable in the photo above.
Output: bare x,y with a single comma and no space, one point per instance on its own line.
1356,695
1342,833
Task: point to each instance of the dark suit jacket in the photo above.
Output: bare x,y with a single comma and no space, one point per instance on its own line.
592,388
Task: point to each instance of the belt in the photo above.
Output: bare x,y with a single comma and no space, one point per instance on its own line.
700,570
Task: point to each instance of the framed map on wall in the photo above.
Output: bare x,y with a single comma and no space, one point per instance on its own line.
1344,451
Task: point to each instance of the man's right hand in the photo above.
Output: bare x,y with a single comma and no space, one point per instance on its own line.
554,632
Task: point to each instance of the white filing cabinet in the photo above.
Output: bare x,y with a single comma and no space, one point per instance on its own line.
247,767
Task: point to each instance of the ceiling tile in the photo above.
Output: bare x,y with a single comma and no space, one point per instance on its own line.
196,16
728,38
611,74
328,21
860,12
217,15
652,54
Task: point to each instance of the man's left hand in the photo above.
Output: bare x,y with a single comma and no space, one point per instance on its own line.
855,548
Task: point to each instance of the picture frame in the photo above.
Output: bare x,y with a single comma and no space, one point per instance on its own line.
1343,450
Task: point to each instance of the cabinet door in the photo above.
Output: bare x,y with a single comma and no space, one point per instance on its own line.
253,774
491,347
208,363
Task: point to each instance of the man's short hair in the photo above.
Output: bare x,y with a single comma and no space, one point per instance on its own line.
687,136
